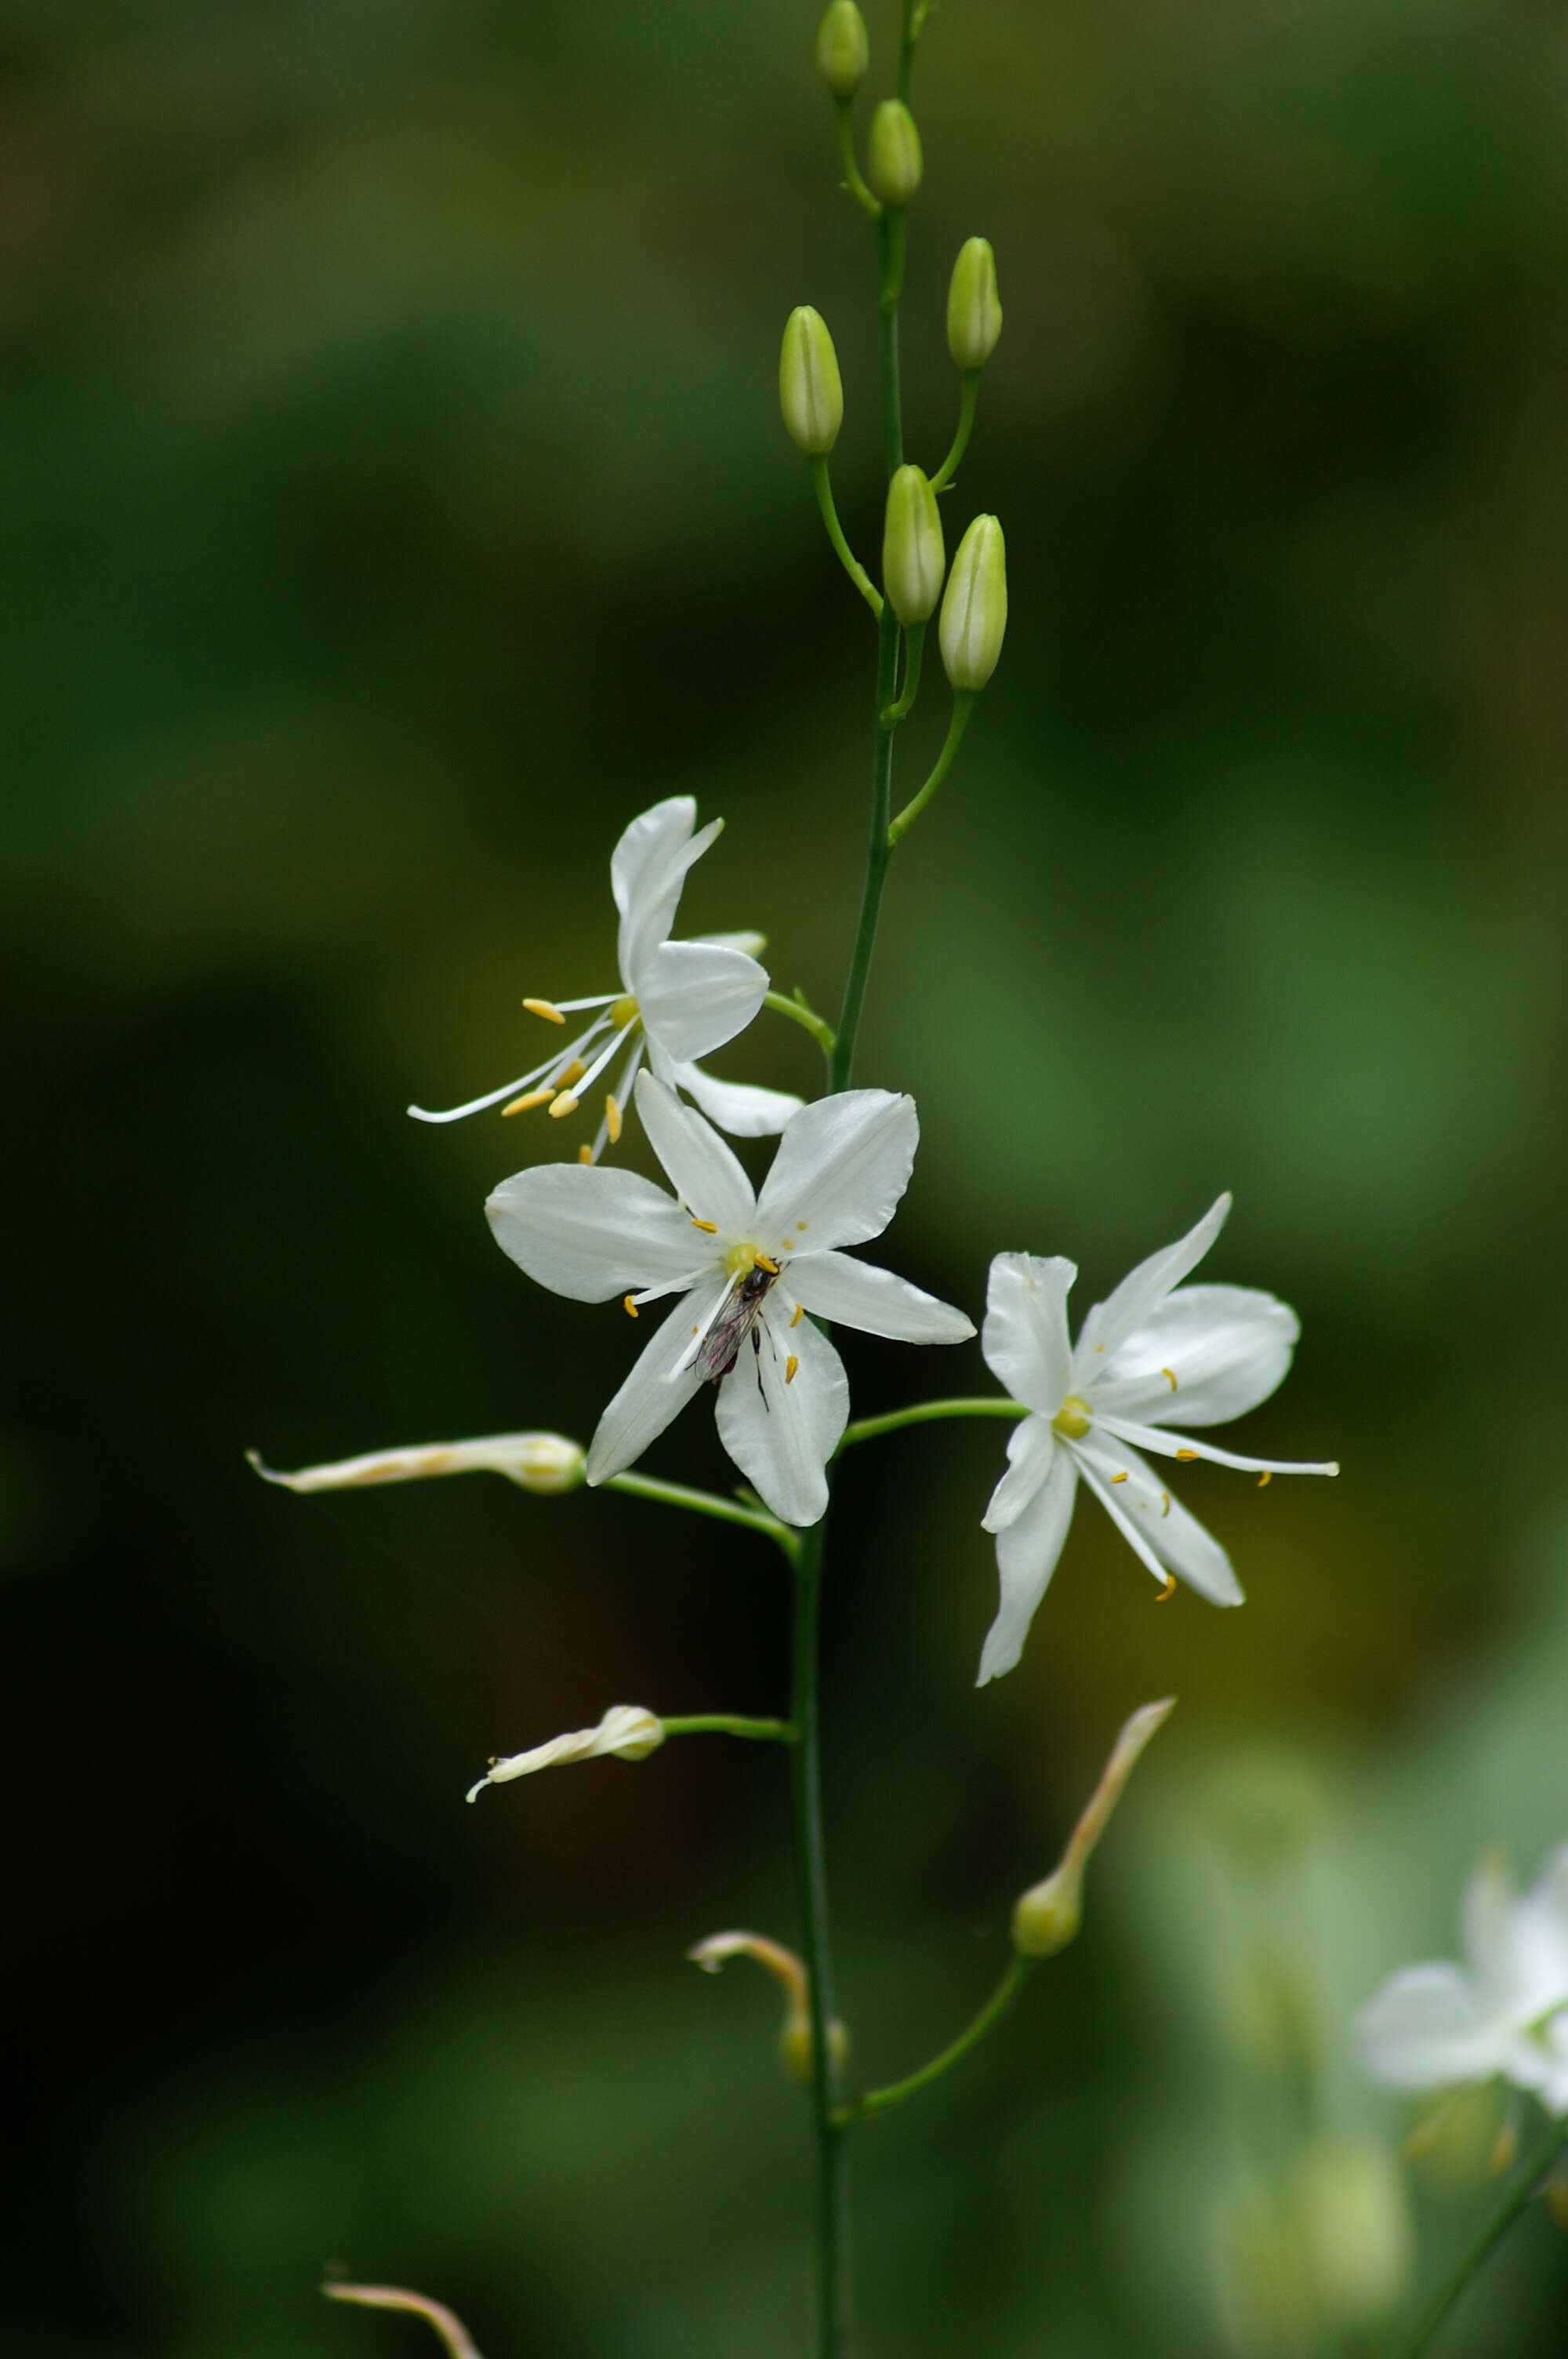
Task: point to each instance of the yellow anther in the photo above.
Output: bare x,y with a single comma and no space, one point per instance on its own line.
790,1366
624,1011
802,1224
1119,1478
1073,1419
1265,1479
1170,1375
629,1307
612,1121
546,1009
574,1072
526,1104
585,1153
1164,1503
771,1267
1168,1591
563,1106
1187,1454
708,1228
799,1314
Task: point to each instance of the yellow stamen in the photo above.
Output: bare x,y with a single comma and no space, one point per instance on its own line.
546,1009
585,1153
526,1104
1119,1478
629,1307
708,1228
799,1314
790,1366
1168,1591
1172,1374
612,1116
574,1073
1265,1479
1164,1503
771,1267
563,1106
1186,1453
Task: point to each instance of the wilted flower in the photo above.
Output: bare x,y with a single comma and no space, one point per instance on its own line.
1047,1917
538,1462
796,2044
677,1000
747,1268
1147,1355
626,1730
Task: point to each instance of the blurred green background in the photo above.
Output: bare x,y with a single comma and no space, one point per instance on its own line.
396,503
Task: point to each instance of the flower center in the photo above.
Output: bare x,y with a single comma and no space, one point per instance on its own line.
1073,1419
743,1255
624,1012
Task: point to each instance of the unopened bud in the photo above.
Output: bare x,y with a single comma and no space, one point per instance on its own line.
843,52
914,558
796,2047
973,311
894,160
811,393
627,1729
974,612
1048,1916
545,1463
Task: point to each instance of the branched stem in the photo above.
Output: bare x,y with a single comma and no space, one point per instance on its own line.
968,395
1496,2227
808,1017
869,1429
844,109
914,646
709,1502
963,705
882,2101
847,558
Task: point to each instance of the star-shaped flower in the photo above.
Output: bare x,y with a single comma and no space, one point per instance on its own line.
1505,2011
1148,1354
747,1268
677,1000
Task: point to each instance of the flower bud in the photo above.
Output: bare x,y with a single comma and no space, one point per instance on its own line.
545,1463
843,52
811,393
894,161
627,1729
973,311
974,612
1048,1916
914,558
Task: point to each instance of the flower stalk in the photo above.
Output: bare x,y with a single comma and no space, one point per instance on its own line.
1525,2187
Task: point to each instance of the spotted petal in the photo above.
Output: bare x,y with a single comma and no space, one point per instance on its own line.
695,996
1227,1346
782,1435
594,1233
1026,1556
842,1165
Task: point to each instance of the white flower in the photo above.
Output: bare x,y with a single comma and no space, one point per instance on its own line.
1504,2011
547,1462
840,1168
1148,1354
627,1729
677,1000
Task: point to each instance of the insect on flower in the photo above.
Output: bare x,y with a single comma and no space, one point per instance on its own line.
734,1320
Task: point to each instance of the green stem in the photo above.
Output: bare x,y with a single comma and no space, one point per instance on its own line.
914,646
1496,2227
730,1723
844,109
915,15
963,705
968,395
882,2101
846,559
805,1769
869,1429
707,1502
821,1032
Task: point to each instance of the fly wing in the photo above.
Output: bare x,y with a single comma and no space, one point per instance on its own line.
732,1324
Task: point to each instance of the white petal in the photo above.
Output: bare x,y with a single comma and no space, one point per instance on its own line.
1227,1347
782,1435
836,1286
842,1165
694,996
703,1171
592,1234
1156,1526
1026,1556
1110,1322
651,1397
1425,2030
744,1111
1540,1938
647,869
1485,1924
1167,1444
751,943
1031,1449
1025,1335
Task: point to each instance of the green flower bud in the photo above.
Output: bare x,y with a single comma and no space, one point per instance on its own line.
894,160
974,612
1047,1917
914,558
843,52
811,393
974,313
